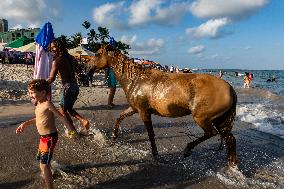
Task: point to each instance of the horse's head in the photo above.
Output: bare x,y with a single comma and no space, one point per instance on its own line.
104,58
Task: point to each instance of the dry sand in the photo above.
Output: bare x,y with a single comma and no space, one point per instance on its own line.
98,162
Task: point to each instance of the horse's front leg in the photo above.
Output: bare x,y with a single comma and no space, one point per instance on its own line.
126,113
146,118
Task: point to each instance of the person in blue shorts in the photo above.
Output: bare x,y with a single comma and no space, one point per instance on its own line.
65,65
111,83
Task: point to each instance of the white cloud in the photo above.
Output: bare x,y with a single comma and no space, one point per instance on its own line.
211,29
18,26
149,47
233,9
196,50
30,12
108,15
220,14
140,12
151,11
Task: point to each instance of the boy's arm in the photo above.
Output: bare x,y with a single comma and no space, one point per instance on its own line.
25,124
60,116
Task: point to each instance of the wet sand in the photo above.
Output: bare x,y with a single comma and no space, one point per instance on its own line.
97,161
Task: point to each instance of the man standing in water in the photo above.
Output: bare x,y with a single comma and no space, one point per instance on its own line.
65,65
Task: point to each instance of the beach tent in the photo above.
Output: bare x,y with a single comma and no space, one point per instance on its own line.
81,51
147,62
19,42
2,45
31,47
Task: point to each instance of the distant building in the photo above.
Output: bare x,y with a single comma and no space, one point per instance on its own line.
3,25
6,36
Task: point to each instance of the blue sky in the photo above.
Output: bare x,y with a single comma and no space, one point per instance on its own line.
243,34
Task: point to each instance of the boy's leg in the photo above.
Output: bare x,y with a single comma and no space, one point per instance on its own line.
47,175
83,121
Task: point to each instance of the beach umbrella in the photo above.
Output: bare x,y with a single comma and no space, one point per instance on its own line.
31,47
80,51
147,62
43,58
19,42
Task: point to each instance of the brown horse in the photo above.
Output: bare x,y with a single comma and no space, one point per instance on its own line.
210,100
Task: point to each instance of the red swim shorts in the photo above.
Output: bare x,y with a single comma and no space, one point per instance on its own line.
46,147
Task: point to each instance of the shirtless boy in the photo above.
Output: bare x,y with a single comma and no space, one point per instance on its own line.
45,124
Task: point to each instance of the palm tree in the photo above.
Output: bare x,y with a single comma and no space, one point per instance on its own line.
96,39
76,39
122,47
65,40
104,34
86,24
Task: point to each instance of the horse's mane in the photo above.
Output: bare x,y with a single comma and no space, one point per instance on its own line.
129,69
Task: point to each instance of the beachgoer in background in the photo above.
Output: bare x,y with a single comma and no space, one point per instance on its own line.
273,79
45,124
250,78
172,69
237,74
221,73
246,80
65,65
166,68
91,75
177,69
111,83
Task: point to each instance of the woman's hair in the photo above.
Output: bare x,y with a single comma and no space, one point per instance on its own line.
39,85
60,46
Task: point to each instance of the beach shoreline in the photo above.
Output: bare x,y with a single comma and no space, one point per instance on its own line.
97,161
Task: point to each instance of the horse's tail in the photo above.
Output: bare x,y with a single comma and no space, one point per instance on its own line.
224,122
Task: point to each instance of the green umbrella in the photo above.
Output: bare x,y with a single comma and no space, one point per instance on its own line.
19,42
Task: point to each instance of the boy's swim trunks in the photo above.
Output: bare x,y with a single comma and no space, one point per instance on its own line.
46,147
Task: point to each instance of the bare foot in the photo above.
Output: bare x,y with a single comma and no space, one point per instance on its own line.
86,124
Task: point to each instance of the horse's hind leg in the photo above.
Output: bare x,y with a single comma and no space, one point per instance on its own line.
230,141
126,113
231,145
209,131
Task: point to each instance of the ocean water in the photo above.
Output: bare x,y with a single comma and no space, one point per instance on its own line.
263,103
